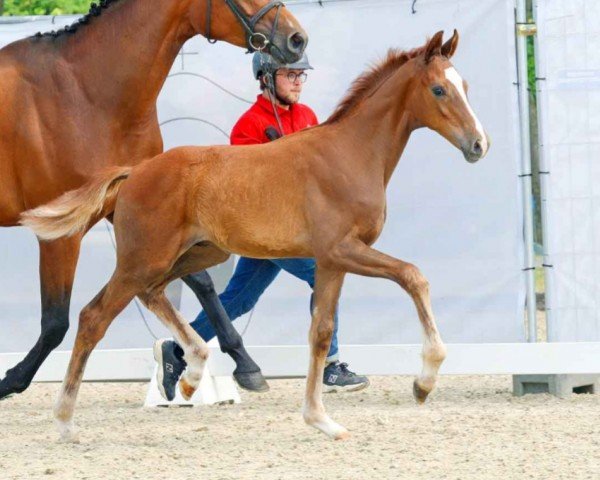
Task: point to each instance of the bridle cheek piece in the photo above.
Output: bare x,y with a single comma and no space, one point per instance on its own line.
255,41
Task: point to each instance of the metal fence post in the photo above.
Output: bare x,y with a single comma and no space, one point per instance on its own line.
523,29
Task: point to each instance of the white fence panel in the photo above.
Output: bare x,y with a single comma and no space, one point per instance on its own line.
569,94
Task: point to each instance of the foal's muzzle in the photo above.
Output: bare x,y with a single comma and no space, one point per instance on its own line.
475,148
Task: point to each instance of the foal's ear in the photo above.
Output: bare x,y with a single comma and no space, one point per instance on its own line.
449,47
434,46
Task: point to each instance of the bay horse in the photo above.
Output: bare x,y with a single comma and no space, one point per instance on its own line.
318,193
84,98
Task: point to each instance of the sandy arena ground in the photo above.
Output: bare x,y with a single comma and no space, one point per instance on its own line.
471,429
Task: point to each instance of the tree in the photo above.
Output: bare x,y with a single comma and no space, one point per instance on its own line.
43,7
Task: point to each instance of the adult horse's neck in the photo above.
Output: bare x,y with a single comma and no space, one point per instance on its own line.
380,126
122,57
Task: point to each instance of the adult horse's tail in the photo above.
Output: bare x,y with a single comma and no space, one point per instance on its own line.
77,210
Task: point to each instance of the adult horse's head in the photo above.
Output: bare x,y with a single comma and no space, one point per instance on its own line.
256,24
438,100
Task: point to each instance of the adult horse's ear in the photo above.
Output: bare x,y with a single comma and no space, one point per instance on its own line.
449,47
434,47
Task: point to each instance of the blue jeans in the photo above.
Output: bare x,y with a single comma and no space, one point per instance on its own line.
250,279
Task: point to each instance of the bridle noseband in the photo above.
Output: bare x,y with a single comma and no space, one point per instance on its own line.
255,41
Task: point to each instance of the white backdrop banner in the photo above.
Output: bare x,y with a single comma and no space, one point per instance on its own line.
460,223
569,94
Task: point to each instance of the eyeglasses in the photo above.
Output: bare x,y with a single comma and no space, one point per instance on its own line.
293,76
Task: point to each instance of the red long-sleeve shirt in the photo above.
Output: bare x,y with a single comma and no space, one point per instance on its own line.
250,128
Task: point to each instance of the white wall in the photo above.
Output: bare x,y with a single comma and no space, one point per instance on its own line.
460,223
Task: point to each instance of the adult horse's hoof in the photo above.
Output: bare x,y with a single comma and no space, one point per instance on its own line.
6,391
252,381
419,394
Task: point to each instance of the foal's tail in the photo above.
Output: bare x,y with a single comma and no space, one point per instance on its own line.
77,210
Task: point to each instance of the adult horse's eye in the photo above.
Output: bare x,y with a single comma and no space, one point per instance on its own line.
438,91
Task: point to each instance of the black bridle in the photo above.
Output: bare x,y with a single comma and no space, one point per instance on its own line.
254,40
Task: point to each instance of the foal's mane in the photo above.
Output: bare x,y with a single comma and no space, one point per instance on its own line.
94,11
368,81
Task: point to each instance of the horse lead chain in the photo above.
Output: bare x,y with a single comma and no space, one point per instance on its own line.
256,41
271,87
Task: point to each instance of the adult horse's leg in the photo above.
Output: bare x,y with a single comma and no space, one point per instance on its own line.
328,284
247,373
354,256
58,260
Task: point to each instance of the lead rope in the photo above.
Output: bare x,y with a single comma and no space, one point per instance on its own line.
270,83
208,15
271,93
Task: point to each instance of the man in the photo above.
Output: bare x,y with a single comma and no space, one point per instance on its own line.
275,113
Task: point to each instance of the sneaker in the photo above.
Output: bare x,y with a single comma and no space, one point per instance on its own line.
337,377
170,367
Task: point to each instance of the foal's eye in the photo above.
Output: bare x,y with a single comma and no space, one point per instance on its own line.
438,91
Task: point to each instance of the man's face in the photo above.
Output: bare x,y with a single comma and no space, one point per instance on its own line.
288,91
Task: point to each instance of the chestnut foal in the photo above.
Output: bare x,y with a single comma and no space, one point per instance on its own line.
318,193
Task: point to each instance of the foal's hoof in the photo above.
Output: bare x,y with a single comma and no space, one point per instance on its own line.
419,394
68,433
326,425
252,381
342,435
69,438
187,391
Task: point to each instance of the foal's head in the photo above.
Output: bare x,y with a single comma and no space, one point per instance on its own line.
438,99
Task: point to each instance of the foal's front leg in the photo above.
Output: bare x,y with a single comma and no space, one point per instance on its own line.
328,284
355,256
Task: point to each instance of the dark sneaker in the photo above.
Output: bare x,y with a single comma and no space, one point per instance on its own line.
171,365
337,377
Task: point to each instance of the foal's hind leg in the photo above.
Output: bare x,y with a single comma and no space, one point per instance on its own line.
197,258
354,256
93,322
58,260
195,349
328,285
